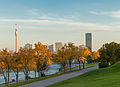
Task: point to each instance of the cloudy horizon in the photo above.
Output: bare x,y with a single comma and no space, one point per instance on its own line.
59,21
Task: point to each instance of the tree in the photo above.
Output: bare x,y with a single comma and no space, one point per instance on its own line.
43,57
6,63
61,57
83,52
71,48
109,53
77,56
27,60
95,55
17,65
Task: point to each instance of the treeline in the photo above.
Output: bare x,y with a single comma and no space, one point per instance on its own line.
69,53
109,54
37,59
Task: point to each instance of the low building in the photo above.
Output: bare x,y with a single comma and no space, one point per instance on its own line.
28,46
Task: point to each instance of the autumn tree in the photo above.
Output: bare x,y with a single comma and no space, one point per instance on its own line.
71,48
61,57
43,57
95,55
17,65
6,63
77,56
27,60
83,53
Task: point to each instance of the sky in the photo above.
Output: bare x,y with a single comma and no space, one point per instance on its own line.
50,21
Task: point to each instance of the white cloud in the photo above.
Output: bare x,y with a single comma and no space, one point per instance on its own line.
114,14
23,20
33,11
61,23
95,13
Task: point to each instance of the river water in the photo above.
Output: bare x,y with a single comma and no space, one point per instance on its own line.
52,69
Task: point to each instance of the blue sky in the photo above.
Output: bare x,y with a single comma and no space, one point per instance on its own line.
50,21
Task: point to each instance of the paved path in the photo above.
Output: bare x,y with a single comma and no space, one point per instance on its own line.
44,83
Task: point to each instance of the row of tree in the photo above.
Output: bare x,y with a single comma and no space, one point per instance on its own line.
70,53
37,59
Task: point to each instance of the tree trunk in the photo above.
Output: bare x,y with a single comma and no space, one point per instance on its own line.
79,65
8,76
38,70
26,75
4,76
70,64
39,74
35,73
64,68
83,65
17,76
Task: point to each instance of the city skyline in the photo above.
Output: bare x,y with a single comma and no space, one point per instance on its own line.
59,21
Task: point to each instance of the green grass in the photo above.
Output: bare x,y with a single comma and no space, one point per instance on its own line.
42,78
106,77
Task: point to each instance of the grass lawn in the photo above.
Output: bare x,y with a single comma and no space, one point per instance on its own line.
106,77
42,78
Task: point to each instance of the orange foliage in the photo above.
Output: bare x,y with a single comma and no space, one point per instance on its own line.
27,59
83,52
95,55
43,55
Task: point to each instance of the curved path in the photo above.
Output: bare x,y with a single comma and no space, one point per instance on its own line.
46,82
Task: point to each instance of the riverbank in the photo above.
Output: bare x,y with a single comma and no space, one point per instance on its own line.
46,77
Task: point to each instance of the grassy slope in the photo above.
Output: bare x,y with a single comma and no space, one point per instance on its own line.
106,77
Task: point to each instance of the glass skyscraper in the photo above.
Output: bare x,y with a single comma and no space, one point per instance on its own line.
89,41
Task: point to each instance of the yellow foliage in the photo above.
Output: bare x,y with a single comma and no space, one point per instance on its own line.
27,59
82,53
62,56
6,60
43,55
95,55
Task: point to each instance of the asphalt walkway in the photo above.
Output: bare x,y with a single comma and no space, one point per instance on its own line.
46,82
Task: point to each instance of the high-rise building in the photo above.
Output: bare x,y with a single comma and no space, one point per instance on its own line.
28,46
55,47
89,41
58,46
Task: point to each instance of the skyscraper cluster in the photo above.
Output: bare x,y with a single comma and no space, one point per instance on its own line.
55,47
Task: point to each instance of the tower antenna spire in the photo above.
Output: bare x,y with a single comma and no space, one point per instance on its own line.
16,34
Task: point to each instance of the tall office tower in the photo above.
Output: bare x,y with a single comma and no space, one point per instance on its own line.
28,46
16,34
89,41
58,46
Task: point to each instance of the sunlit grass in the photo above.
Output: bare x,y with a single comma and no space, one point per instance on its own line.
106,77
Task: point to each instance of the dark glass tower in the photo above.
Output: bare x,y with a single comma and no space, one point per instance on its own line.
89,41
